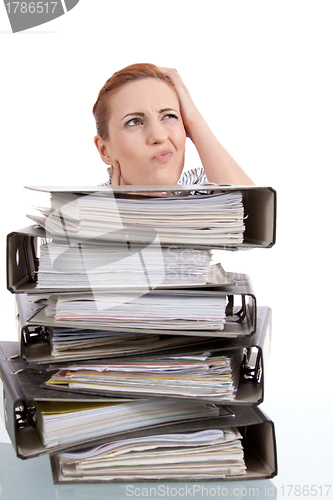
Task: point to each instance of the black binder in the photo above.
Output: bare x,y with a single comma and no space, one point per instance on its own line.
36,330
23,263
259,442
241,313
259,206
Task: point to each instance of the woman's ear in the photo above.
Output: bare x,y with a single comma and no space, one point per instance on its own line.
103,150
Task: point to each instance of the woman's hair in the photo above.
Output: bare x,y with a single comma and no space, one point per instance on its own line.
102,106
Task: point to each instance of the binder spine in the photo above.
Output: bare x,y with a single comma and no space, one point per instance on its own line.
17,412
266,342
260,440
22,261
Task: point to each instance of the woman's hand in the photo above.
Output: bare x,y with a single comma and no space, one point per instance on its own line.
188,110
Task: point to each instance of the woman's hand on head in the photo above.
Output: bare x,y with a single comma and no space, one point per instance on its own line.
187,107
219,165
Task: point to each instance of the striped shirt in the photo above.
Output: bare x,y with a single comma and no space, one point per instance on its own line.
194,176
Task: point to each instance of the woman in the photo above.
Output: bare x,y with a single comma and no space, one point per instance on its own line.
143,115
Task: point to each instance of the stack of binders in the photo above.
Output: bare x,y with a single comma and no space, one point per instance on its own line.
139,358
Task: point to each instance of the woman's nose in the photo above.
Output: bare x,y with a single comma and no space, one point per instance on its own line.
156,132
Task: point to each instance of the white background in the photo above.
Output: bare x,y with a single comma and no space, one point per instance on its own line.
261,74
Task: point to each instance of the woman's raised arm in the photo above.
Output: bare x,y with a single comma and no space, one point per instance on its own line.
219,165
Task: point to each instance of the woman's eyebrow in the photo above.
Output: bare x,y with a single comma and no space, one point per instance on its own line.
167,109
133,114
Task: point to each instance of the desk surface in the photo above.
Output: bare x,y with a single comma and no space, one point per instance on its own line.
304,443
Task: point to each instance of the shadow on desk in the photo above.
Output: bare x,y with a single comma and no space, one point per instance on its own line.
32,480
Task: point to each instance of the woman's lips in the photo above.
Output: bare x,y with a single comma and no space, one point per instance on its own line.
163,156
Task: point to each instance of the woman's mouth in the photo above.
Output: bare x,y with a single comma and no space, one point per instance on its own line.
163,156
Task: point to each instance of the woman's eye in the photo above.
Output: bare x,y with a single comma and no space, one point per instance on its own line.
134,121
170,115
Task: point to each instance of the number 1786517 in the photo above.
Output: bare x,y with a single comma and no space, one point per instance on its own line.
31,7
306,490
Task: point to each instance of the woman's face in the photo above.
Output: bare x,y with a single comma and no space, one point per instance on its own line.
146,134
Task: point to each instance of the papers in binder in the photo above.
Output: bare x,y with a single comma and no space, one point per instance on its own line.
65,266
157,311
69,342
190,220
199,376
65,423
207,454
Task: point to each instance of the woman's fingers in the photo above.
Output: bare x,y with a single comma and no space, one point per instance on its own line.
188,109
173,75
116,177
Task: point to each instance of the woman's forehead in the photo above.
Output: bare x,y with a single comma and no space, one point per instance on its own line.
150,94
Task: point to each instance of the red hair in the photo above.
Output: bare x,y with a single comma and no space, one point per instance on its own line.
102,107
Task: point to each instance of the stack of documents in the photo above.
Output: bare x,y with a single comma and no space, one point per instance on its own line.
210,454
157,311
67,423
153,375
197,376
214,219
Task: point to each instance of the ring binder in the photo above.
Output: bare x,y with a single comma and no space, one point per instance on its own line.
259,445
239,322
36,330
259,205
22,279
